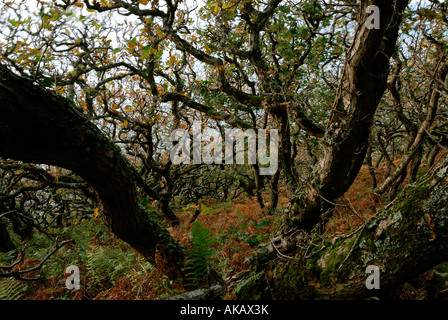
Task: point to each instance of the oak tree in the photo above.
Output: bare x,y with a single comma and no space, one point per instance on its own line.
97,87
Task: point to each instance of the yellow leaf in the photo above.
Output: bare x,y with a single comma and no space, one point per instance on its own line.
216,8
95,214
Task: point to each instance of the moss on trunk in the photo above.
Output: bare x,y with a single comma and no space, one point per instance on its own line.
403,240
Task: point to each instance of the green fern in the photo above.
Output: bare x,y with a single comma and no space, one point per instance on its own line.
11,289
105,264
200,255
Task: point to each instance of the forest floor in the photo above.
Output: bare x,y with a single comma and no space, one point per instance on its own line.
110,269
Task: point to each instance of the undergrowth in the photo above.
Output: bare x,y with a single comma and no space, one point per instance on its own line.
200,255
222,238
11,289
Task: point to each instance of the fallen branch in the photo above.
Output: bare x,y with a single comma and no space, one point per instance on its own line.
209,293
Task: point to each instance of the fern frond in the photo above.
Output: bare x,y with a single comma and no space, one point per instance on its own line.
11,289
201,254
106,264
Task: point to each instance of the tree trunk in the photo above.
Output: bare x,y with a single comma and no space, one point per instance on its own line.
274,191
258,185
6,243
403,241
346,140
40,127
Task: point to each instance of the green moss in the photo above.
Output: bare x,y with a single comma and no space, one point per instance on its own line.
323,267
331,259
249,288
441,268
328,274
409,201
311,265
290,282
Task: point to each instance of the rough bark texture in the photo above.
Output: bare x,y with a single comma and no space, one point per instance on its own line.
403,240
6,243
39,127
346,140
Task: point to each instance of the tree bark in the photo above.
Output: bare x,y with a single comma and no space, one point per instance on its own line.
403,241
258,185
6,243
39,127
346,140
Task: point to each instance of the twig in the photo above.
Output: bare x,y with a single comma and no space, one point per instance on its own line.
17,273
350,206
4,214
351,249
352,209
278,251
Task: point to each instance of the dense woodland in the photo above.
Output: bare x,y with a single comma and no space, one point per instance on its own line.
91,91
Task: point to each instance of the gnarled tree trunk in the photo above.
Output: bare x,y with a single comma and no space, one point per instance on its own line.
6,243
39,127
403,241
346,139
